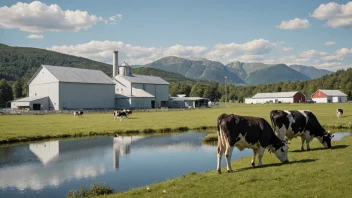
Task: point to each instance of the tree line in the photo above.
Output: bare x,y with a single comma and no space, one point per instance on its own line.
340,80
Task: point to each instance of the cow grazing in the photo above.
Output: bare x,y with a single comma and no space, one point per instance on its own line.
128,111
339,112
247,132
301,123
78,113
120,114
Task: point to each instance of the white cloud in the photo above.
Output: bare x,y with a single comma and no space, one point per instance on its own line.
328,64
35,36
293,24
114,19
330,43
248,58
343,51
37,17
312,53
332,58
185,51
286,49
336,15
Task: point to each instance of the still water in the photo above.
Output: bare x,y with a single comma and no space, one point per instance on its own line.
52,168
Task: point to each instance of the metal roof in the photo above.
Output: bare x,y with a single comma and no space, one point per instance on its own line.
143,79
29,99
188,98
333,92
275,95
78,75
136,93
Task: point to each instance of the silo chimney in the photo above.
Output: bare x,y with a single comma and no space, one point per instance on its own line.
115,64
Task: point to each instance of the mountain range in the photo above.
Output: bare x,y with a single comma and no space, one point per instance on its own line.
22,62
236,72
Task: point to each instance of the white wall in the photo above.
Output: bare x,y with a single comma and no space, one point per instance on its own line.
43,77
143,103
248,100
82,95
339,99
49,89
274,100
320,100
122,86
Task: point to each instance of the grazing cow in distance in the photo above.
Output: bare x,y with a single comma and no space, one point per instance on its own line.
247,132
301,123
78,113
120,114
128,111
339,112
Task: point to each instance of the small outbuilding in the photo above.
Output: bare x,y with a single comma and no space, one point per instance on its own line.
188,102
31,103
277,97
327,96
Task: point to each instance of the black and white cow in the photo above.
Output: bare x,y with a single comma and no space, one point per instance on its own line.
128,111
120,114
301,123
247,132
339,112
77,113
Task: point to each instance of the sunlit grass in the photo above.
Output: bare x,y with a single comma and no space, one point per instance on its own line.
13,127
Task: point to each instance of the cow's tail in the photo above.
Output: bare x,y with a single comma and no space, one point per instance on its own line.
219,123
272,119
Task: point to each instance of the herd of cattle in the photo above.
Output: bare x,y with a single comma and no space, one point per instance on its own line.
117,114
256,133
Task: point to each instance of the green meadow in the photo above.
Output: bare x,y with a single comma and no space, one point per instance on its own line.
17,128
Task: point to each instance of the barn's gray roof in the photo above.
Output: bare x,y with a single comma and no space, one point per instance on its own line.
333,92
29,99
275,95
144,79
188,98
78,75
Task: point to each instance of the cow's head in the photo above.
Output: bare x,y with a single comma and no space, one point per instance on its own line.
280,150
326,140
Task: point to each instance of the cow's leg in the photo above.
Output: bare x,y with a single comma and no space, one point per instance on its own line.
255,152
220,152
303,138
260,155
228,153
307,136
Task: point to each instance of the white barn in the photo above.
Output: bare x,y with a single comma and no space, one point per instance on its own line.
59,88
138,91
277,97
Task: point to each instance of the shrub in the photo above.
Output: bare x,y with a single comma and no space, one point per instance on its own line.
95,190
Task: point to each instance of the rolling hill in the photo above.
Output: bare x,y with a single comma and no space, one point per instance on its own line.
22,62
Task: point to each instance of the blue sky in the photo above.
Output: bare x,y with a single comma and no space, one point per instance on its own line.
275,31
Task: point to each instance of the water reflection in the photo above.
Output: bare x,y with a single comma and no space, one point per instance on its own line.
52,168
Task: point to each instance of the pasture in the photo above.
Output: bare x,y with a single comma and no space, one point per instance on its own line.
15,128
318,173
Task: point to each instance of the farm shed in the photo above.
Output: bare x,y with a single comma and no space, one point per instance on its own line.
277,97
71,88
188,102
327,96
31,103
138,91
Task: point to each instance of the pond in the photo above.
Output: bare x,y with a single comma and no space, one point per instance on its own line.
52,168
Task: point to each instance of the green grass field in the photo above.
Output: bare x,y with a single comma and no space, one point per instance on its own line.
318,173
34,127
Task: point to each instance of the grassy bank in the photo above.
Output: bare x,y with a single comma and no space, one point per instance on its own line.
318,173
15,128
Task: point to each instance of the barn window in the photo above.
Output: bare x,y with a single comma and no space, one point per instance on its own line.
35,94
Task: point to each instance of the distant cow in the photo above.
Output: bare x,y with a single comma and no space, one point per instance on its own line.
128,111
301,123
247,132
120,114
78,113
339,112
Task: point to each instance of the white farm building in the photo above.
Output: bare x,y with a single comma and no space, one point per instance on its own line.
277,97
327,96
61,87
